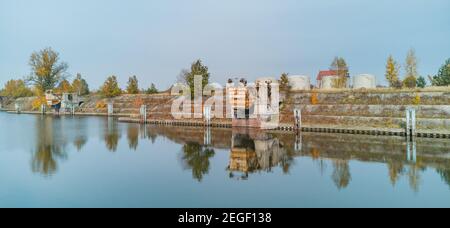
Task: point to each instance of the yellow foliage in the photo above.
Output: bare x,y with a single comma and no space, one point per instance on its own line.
111,87
64,87
416,100
36,104
16,89
100,105
314,99
315,154
392,72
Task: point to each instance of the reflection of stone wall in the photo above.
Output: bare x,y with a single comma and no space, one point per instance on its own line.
220,138
432,152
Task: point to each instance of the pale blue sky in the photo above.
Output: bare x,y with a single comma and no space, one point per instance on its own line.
156,39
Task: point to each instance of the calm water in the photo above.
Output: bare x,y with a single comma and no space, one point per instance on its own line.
97,162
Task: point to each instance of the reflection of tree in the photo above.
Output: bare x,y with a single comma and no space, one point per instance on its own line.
414,176
133,136
80,138
287,160
48,148
396,169
112,135
341,173
196,157
80,141
151,134
445,175
153,138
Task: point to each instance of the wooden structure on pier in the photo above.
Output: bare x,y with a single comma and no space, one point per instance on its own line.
66,101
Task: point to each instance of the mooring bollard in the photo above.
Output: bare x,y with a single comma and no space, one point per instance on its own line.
110,109
298,119
410,122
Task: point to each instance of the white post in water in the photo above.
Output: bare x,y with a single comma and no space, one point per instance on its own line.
143,113
298,143
207,115
110,109
410,122
17,107
298,119
207,137
43,109
411,151
413,121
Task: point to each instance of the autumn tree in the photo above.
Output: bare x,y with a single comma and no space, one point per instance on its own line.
16,89
339,65
392,72
152,89
110,87
443,76
410,69
80,86
47,69
341,174
284,82
64,87
197,68
133,85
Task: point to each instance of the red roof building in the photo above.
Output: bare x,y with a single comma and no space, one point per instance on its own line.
326,73
323,74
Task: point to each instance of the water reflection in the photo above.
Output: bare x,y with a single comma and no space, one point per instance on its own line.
81,135
251,151
341,173
445,175
196,157
111,134
133,136
255,151
50,146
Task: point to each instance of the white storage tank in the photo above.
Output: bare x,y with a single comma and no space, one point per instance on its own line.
366,81
328,82
299,82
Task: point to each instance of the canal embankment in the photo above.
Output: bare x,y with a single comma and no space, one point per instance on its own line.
370,112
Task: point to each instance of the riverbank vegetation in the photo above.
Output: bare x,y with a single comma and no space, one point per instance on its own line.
16,89
110,87
49,72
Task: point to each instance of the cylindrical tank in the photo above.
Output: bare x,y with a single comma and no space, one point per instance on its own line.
299,82
364,81
328,82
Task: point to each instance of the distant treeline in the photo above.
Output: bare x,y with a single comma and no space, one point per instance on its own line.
50,73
